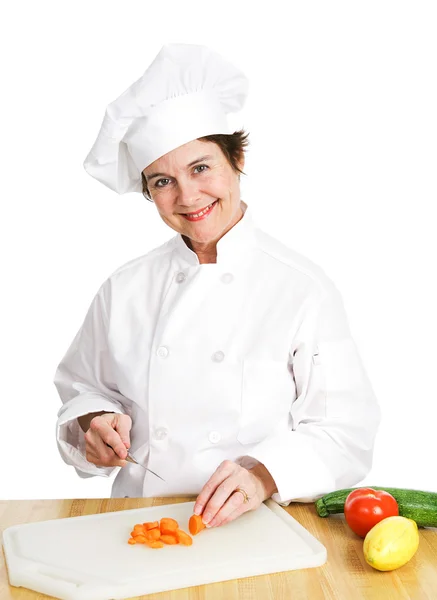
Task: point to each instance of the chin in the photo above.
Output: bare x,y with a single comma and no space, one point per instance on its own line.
204,239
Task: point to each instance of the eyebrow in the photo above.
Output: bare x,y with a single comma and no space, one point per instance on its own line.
194,162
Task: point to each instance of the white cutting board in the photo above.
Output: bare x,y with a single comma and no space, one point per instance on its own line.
88,557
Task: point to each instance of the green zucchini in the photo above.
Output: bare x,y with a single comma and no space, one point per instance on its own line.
413,504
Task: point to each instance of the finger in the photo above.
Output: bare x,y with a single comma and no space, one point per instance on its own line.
123,425
221,495
98,448
109,437
234,505
100,461
103,456
96,459
95,447
254,501
90,441
220,474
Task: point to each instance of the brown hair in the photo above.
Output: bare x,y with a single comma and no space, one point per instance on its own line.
232,145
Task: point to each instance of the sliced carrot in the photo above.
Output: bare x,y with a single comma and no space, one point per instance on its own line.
168,526
150,525
140,539
195,524
138,529
168,529
169,521
184,538
155,544
153,534
131,541
169,539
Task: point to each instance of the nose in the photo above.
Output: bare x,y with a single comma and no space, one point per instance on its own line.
188,193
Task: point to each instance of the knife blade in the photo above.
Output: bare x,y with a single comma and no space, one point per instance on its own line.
131,458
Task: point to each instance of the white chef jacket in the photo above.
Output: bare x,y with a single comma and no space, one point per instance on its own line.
247,359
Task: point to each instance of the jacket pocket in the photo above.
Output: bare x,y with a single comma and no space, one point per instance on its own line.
267,393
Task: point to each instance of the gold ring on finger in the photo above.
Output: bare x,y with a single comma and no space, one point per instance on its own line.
245,496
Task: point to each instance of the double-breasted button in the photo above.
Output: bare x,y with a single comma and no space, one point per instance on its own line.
181,277
162,352
227,278
218,356
214,437
161,433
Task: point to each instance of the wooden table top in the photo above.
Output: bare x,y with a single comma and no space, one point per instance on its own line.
345,575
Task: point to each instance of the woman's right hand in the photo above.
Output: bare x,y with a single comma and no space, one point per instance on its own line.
107,440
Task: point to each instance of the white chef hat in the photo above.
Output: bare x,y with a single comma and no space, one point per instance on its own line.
186,93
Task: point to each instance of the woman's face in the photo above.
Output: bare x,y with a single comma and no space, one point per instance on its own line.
196,191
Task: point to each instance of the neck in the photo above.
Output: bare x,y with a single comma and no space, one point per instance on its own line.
206,253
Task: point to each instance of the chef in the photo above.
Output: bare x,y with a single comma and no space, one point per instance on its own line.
222,359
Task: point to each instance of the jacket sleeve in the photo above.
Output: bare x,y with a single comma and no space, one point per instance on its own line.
84,380
335,416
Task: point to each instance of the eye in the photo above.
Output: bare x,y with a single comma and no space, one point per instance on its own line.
162,182
200,168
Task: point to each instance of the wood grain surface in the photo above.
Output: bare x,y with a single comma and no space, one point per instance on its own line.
345,575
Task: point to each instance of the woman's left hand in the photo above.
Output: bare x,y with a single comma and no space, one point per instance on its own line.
219,501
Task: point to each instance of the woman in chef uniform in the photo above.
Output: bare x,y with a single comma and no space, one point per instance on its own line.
222,359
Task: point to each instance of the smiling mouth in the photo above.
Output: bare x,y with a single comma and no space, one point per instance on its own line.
201,214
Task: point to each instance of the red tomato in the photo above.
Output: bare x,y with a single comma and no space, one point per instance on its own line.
365,507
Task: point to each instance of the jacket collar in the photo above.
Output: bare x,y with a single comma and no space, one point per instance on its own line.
235,243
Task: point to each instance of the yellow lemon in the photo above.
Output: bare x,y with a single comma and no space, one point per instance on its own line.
391,543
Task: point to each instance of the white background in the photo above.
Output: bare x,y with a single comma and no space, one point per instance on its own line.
342,168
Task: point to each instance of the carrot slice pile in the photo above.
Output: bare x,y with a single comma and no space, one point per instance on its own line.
156,534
